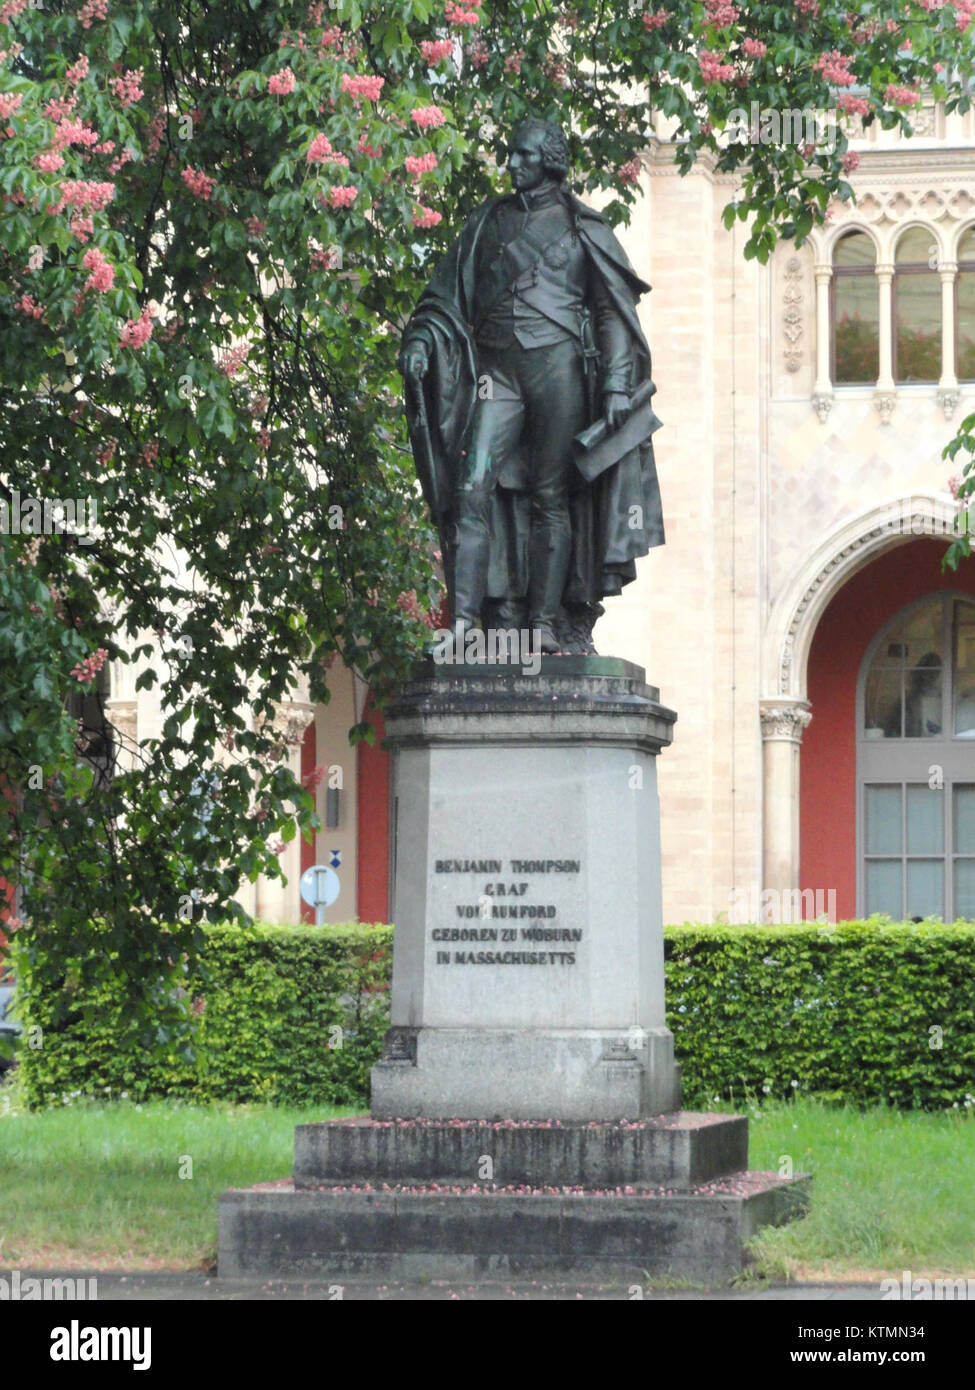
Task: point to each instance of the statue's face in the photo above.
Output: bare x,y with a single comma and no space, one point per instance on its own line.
525,163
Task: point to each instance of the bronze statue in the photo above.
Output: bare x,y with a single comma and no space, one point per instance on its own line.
528,402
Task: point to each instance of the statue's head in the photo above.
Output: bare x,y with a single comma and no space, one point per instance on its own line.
538,151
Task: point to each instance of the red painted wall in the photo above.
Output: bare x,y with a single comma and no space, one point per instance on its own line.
372,828
827,789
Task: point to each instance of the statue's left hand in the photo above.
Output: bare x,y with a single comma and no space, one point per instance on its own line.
616,407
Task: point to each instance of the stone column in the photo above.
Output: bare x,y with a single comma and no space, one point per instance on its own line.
783,721
823,389
277,901
885,397
948,385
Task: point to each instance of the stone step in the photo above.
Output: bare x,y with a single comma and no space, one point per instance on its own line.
430,1233
678,1151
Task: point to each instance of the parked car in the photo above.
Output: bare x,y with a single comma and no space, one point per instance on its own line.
9,1029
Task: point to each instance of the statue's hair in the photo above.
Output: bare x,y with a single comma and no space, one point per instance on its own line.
555,147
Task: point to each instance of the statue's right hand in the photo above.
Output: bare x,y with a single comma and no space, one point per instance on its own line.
415,363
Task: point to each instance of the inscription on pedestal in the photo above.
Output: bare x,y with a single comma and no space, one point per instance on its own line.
506,905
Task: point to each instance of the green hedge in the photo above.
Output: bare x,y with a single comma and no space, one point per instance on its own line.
267,1015
846,1012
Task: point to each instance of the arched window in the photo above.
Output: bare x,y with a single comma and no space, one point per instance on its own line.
855,311
916,764
965,308
917,308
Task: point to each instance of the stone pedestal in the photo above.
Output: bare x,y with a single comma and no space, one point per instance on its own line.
528,954
525,1116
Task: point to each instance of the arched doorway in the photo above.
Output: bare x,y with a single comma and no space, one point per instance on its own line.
848,633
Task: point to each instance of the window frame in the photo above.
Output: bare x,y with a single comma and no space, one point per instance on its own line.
845,272
910,760
914,268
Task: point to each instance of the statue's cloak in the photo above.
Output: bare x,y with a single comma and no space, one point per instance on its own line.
616,518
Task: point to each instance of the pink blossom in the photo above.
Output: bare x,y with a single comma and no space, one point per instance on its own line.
157,128
128,87
235,359
120,161
137,332
264,439
11,9
901,96
434,51
86,671
59,107
477,52
853,106
850,161
78,71
49,161
713,69
456,14
556,70
755,48
655,19
420,164
102,272
312,779
254,226
721,13
27,305
514,61
92,10
9,101
69,132
281,83
427,117
630,172
362,87
149,454
85,194
834,67
342,197
319,150
808,7
425,217
323,260
364,147
202,185
82,227
953,485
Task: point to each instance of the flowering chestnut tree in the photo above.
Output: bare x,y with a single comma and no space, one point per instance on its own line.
215,220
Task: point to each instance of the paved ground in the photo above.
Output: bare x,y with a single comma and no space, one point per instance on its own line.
141,1287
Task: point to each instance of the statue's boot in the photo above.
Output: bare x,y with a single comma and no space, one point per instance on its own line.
548,570
470,567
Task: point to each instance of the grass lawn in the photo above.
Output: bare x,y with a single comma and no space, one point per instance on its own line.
99,1186
892,1190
